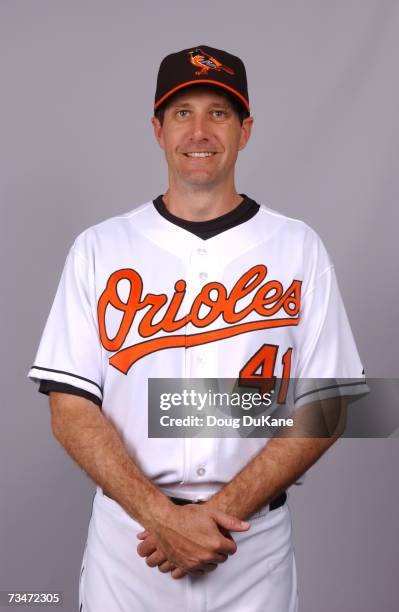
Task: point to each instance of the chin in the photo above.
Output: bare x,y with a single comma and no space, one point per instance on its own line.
198,178
200,181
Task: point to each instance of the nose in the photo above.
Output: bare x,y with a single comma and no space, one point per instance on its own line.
200,127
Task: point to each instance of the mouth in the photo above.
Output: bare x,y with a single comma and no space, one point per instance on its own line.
200,154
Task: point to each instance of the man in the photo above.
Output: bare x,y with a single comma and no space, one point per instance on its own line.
199,283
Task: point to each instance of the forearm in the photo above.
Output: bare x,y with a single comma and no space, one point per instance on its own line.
274,469
284,459
94,443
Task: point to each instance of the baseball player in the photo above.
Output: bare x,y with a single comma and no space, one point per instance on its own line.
200,282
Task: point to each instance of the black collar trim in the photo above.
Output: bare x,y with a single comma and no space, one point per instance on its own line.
245,210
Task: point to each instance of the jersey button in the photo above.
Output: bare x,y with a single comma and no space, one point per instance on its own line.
203,275
201,471
201,251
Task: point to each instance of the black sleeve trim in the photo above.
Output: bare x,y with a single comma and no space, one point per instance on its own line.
69,374
51,385
352,384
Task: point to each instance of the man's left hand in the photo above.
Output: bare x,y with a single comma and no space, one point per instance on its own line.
151,549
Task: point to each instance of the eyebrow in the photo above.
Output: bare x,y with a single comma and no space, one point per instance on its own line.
188,104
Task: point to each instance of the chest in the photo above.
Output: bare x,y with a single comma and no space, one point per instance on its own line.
226,314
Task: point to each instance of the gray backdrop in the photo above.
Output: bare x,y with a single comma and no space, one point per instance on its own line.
77,85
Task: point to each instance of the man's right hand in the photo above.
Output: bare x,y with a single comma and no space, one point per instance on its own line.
192,538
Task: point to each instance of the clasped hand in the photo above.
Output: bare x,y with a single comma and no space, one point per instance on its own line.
193,539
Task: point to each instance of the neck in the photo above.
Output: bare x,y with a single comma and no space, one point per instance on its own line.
201,204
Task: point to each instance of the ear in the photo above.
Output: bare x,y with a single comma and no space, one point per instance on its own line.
158,132
246,130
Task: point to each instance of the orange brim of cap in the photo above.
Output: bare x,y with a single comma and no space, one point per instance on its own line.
187,83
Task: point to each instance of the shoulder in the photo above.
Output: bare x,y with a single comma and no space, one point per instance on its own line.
291,226
277,219
296,237
110,231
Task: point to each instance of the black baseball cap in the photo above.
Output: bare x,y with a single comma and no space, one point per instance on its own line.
202,65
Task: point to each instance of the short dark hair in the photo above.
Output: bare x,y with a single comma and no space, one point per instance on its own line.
238,107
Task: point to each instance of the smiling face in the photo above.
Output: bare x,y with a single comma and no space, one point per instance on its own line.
201,135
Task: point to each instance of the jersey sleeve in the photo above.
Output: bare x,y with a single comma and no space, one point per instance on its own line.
328,364
70,350
46,386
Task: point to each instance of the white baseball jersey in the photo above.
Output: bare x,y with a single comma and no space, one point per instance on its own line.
141,297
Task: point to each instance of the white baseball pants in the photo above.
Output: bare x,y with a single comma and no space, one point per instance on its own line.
259,577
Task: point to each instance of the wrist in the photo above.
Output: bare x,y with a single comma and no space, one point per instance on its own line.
218,501
158,512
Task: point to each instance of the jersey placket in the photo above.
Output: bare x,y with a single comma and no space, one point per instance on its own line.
200,363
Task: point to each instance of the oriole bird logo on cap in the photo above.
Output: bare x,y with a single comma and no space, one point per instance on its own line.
206,62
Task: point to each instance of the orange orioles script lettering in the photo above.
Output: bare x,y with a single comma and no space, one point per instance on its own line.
268,299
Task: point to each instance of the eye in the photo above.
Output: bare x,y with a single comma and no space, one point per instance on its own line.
180,113
219,114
